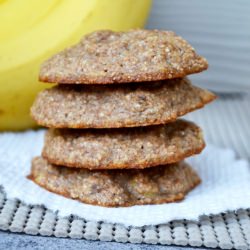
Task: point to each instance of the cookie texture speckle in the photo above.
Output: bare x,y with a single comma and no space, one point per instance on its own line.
123,148
114,106
163,184
104,57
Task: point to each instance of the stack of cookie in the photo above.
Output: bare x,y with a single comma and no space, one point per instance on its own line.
114,138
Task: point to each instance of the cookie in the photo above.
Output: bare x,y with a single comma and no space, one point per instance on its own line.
104,57
112,188
114,106
139,147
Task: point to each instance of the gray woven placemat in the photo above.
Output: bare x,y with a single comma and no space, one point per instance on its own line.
226,123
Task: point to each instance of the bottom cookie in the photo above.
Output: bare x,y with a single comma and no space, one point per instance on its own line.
113,188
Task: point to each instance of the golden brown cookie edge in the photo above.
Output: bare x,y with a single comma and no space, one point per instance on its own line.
122,78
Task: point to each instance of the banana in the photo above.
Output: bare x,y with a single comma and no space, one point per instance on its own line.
31,31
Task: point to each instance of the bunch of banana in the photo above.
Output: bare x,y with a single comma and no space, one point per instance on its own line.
32,30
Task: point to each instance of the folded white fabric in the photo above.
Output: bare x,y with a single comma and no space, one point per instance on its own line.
225,186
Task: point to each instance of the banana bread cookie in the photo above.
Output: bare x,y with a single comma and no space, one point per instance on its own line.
104,57
124,147
168,183
114,106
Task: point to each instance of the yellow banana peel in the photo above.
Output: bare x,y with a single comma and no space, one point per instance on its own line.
33,30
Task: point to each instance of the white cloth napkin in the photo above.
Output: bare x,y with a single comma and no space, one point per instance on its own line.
225,186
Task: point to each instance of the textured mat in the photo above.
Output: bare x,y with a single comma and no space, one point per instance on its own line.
225,123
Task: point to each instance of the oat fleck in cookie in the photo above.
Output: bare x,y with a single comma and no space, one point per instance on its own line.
111,188
123,148
114,106
104,57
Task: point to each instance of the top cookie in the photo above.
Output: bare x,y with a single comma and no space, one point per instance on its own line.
104,57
